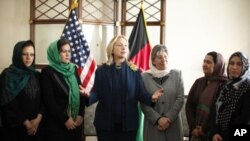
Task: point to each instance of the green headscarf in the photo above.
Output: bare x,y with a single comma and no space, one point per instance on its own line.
68,71
17,75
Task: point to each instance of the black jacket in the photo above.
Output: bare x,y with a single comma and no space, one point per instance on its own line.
55,96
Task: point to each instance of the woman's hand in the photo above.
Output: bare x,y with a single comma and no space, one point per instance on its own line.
79,120
163,123
217,137
70,124
157,94
35,124
36,121
197,131
29,127
82,91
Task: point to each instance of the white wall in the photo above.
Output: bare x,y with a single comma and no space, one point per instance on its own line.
194,27
44,35
14,27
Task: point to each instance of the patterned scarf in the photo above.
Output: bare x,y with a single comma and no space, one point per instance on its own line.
207,95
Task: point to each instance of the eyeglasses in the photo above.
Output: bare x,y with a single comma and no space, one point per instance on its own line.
28,54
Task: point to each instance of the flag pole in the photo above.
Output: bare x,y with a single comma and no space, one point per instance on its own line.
74,5
142,2
143,13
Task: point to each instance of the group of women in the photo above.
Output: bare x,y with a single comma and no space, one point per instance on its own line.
215,102
50,105
41,106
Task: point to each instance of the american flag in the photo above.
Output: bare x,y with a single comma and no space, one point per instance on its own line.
80,54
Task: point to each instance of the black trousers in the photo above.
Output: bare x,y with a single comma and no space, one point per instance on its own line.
116,135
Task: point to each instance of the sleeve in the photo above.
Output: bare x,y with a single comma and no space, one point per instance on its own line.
82,98
150,113
93,97
212,115
48,97
13,114
143,96
42,108
11,110
243,116
213,127
173,113
82,106
190,110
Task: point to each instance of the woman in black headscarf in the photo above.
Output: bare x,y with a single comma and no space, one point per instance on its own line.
20,96
233,103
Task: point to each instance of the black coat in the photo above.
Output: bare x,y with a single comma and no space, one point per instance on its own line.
134,90
26,105
56,99
241,116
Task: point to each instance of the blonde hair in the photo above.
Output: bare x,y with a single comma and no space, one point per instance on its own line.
111,47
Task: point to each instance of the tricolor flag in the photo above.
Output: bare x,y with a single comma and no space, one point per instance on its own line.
80,53
140,49
139,44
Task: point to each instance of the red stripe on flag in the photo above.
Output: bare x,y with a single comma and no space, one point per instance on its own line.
91,70
141,59
79,71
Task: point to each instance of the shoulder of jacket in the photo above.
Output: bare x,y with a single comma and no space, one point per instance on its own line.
37,73
248,81
4,73
102,66
175,71
132,66
5,70
146,74
48,70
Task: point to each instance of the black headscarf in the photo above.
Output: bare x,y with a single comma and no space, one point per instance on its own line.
15,78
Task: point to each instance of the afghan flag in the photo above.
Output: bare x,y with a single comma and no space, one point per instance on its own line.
139,45
139,54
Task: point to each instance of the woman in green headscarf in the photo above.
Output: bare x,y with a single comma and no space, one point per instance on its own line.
64,106
20,96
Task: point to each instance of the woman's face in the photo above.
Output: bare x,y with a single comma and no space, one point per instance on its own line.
160,61
28,55
235,67
65,53
208,65
120,50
